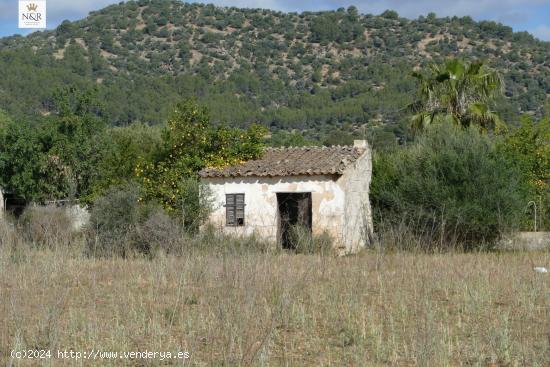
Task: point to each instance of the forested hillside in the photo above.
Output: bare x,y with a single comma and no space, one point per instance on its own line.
330,73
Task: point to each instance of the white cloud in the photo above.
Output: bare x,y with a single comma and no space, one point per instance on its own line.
541,32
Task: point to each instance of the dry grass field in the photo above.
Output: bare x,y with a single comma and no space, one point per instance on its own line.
375,309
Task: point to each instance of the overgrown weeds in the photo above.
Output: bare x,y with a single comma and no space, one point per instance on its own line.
242,302
257,308
46,226
304,242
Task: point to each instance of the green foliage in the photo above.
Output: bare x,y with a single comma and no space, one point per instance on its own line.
330,27
189,143
457,92
118,209
122,225
22,162
75,136
4,121
56,159
390,14
283,138
332,76
123,149
310,71
339,137
529,147
452,185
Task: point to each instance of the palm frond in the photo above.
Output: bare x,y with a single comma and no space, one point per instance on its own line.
456,92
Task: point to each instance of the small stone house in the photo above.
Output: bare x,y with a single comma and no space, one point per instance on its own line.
324,189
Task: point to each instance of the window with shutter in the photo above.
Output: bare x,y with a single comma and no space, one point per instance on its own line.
234,209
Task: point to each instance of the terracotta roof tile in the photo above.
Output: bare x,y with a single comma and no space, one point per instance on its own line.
292,161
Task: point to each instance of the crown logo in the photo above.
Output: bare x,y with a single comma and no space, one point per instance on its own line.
32,7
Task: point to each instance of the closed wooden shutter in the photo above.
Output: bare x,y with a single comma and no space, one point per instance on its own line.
234,209
239,209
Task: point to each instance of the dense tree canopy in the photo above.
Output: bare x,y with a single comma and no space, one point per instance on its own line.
56,158
189,143
529,147
310,71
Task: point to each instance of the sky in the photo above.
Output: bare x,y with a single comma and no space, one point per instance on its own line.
522,15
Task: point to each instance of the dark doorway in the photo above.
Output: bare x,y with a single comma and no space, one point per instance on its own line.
14,205
294,209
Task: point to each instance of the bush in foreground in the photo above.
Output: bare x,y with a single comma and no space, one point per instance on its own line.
46,226
122,225
451,187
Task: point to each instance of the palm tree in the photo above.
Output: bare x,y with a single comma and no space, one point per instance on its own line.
457,92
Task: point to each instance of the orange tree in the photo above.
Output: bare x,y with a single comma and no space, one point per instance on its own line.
529,147
189,143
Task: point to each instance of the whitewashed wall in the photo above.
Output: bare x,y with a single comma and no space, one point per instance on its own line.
358,226
261,210
340,204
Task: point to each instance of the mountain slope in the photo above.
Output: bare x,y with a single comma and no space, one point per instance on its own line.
286,70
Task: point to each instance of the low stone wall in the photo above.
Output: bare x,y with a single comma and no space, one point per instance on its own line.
530,241
79,216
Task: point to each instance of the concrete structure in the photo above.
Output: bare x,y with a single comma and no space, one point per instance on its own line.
1,202
325,189
529,241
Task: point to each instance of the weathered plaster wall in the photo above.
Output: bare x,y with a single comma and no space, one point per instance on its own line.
355,182
261,210
340,204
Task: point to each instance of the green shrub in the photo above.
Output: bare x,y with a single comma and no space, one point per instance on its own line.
195,202
158,231
529,147
120,224
450,187
190,143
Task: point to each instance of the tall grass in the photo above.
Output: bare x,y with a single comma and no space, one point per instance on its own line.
229,306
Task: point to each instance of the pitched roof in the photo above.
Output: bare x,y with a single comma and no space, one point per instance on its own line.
292,161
